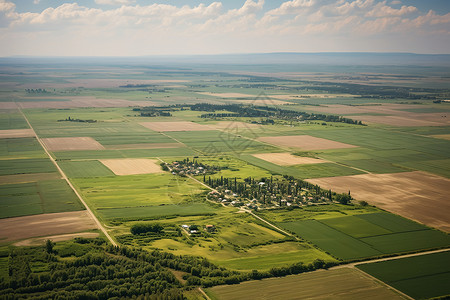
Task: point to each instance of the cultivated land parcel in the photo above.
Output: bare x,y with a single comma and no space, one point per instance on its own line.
250,168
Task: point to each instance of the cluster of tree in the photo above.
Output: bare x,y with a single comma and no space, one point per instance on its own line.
69,119
36,91
106,272
268,112
268,190
142,228
377,91
109,272
154,111
192,167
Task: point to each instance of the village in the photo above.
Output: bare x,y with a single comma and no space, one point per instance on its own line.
268,193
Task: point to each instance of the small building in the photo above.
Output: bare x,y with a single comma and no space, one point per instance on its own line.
210,228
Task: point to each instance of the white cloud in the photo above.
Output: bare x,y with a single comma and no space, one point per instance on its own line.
382,10
114,2
296,25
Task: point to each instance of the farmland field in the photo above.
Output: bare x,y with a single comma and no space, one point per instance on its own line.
26,166
280,169
366,235
131,166
341,283
39,197
136,194
20,148
45,225
416,195
421,277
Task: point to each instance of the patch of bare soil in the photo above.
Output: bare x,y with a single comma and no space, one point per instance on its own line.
72,144
13,229
416,195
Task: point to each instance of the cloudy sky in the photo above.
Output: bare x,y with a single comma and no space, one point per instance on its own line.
147,27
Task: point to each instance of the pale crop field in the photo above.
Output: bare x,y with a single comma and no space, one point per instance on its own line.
16,133
132,166
72,144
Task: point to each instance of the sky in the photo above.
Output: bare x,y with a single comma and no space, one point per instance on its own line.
175,27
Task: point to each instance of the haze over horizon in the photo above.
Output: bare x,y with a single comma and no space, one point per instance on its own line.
147,27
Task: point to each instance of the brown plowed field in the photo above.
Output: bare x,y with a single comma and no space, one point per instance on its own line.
13,229
16,133
132,166
287,159
72,144
416,195
175,126
304,142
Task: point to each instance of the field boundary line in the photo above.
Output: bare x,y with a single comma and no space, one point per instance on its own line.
203,293
385,284
397,257
99,225
267,222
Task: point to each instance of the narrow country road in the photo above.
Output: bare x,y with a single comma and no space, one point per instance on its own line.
99,225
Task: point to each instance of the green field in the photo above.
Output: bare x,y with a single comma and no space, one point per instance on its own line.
135,192
379,150
21,148
32,198
88,168
240,242
283,254
215,142
12,119
421,277
26,166
367,235
156,212
343,283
